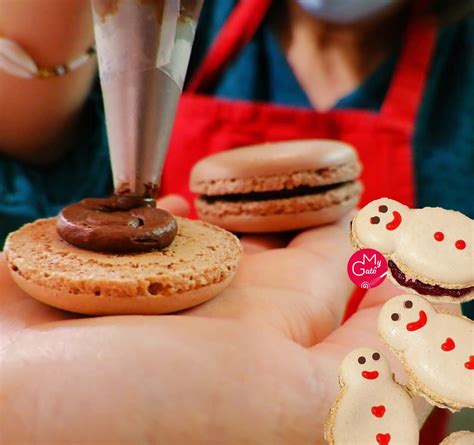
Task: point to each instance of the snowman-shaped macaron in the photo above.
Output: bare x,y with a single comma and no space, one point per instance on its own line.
459,438
372,408
436,349
430,251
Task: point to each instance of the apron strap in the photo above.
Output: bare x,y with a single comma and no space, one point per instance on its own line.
408,84
239,30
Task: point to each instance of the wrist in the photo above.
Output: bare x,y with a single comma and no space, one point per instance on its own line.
51,31
42,113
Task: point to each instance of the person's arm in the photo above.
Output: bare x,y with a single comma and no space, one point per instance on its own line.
38,116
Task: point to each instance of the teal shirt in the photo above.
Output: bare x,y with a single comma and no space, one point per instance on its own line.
443,142
28,192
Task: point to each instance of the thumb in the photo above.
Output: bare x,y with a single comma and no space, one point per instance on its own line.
175,204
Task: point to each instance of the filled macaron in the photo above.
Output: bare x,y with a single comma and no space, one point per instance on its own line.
277,187
429,250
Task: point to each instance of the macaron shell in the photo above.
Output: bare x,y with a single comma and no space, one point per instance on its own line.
286,158
459,438
367,408
195,267
433,347
254,218
439,261
271,183
88,304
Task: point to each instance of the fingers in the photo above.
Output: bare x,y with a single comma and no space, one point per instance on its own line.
175,204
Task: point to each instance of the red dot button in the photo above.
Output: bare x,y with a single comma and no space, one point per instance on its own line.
439,236
460,244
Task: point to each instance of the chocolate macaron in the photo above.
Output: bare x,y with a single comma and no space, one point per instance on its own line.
198,264
277,187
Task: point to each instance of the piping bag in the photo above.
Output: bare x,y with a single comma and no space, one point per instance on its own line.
143,48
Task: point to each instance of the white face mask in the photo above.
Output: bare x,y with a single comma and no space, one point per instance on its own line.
345,11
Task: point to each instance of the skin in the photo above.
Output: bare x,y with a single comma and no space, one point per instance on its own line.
256,365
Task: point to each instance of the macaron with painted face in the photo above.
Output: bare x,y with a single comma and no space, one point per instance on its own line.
436,349
371,407
277,187
459,438
430,251
364,365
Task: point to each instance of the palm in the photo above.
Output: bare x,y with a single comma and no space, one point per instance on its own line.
258,364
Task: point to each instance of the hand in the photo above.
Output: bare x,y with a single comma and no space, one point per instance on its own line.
256,365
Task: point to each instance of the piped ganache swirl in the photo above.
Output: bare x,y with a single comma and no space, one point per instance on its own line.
119,224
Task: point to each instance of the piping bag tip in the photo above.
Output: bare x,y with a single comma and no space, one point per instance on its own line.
143,48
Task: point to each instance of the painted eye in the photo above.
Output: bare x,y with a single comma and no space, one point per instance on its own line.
408,304
361,360
460,244
376,356
439,236
395,317
383,209
374,220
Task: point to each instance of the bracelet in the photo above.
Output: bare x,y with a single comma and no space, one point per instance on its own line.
15,61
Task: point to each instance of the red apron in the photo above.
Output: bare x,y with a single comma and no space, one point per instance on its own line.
206,125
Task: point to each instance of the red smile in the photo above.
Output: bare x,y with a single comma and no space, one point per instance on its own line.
418,324
370,375
396,221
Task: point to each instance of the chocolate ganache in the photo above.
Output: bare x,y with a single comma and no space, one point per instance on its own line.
119,224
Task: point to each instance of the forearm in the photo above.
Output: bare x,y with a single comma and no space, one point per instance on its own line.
39,113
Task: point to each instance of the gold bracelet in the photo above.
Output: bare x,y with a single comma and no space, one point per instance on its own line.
15,61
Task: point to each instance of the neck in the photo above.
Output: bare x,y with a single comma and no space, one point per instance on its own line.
330,60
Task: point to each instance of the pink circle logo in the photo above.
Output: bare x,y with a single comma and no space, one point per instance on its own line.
367,268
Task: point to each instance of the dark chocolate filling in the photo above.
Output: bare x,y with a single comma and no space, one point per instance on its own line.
119,224
303,190
424,288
